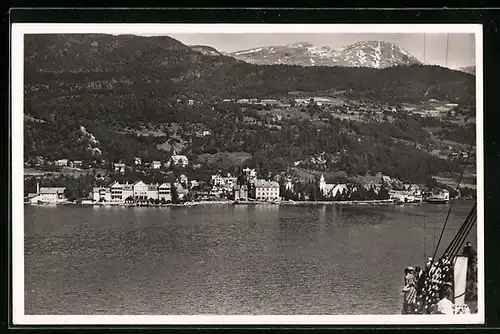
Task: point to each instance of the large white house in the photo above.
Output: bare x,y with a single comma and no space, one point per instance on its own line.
137,192
266,190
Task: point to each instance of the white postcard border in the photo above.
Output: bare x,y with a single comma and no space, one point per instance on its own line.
17,229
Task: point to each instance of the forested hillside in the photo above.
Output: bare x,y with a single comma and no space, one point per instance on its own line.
121,88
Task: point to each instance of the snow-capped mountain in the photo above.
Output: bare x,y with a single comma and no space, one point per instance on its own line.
468,69
376,54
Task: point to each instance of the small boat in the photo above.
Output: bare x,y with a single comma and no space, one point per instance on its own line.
436,200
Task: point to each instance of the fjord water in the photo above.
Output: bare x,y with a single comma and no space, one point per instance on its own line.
224,259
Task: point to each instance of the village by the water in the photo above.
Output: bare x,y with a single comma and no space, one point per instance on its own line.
244,188
248,200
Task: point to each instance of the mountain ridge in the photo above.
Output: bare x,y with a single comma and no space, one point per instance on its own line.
114,86
375,54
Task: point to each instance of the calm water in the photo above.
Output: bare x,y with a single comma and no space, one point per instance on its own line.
223,259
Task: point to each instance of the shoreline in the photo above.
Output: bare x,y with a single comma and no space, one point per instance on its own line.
388,202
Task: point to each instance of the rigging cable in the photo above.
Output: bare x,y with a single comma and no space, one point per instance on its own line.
463,172
455,242
451,205
425,239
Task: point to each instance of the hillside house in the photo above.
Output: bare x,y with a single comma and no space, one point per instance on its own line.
137,161
289,185
269,102
62,162
177,160
193,184
119,167
156,164
250,173
203,133
226,182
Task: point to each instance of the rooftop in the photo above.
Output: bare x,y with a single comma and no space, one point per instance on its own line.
52,190
266,184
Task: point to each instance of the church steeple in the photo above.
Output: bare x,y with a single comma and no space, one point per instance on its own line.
322,184
174,151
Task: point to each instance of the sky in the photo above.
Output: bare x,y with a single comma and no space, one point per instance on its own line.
461,46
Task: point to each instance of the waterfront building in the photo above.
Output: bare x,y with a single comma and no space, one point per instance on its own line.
240,192
225,182
50,195
118,193
331,189
140,191
266,190
164,192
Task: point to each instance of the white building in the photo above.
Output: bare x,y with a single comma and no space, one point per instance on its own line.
177,160
62,162
164,192
137,161
47,195
119,167
139,191
266,190
156,164
331,189
250,173
227,182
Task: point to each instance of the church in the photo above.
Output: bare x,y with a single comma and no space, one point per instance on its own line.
177,160
331,189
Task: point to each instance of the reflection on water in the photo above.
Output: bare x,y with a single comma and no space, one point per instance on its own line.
223,259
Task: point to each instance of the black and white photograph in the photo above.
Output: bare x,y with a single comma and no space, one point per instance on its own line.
247,174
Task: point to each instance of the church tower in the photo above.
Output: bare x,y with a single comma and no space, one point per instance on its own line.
174,151
322,184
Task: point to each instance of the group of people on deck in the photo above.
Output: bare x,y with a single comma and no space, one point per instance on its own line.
430,291
425,290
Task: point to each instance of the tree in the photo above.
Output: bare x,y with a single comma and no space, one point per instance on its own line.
174,193
68,193
371,193
383,193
